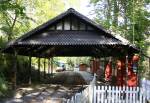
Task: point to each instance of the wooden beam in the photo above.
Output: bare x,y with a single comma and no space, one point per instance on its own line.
30,77
44,68
52,65
32,48
42,51
14,71
39,69
48,65
38,49
126,69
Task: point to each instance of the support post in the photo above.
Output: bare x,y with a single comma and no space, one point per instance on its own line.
14,71
39,69
48,65
126,70
149,65
44,68
30,60
52,65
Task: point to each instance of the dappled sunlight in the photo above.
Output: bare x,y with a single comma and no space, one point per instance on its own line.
17,101
44,93
4,86
27,89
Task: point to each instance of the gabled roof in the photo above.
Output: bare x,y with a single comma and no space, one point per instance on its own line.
45,41
59,17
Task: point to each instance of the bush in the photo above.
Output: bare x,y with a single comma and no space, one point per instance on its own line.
3,86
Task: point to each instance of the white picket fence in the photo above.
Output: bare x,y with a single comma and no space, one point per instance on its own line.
145,84
115,94
82,97
109,94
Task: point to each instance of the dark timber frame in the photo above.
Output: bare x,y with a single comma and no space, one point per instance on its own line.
68,34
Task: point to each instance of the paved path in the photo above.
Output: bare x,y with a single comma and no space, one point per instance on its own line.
43,94
51,93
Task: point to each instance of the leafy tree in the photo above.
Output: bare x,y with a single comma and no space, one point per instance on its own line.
12,17
18,17
126,17
3,86
129,18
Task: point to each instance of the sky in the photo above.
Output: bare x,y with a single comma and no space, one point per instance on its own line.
83,8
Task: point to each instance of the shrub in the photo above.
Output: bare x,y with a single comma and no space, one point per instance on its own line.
3,86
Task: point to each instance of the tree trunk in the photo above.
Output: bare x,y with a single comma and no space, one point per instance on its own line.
115,12
124,4
12,27
108,13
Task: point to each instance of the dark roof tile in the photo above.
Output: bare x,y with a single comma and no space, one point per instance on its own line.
69,38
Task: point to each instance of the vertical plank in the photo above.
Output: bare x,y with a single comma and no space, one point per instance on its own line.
137,94
130,91
134,92
98,94
143,95
119,94
105,94
102,94
140,99
123,94
91,93
127,93
116,96
95,91
109,94
113,94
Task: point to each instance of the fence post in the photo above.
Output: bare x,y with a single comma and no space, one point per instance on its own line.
91,89
90,92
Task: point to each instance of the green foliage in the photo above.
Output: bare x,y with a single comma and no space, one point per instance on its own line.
129,18
11,14
3,86
18,17
76,61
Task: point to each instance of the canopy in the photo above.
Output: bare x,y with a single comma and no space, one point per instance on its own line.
69,34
